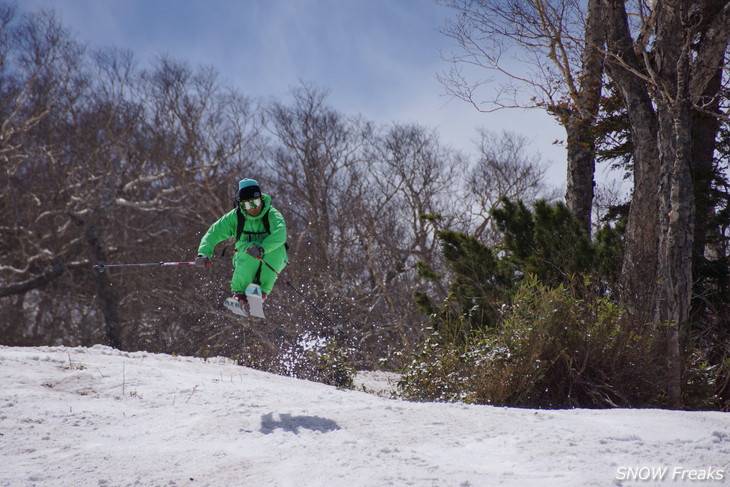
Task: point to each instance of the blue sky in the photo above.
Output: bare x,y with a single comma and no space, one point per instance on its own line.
378,58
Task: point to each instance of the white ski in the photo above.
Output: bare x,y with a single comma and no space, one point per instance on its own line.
235,306
255,300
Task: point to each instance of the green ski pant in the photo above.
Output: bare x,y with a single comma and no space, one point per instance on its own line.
246,268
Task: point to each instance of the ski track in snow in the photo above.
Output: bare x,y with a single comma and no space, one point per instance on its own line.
105,418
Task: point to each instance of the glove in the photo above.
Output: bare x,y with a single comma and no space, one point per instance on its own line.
255,251
202,261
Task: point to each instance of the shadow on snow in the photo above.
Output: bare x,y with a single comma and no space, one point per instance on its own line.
293,424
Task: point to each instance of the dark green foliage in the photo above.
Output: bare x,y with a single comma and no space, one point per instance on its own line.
613,132
548,242
608,242
481,282
425,272
480,278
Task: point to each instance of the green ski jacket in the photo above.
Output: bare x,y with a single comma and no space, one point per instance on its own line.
254,232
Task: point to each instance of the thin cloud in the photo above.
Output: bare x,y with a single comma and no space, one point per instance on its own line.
378,58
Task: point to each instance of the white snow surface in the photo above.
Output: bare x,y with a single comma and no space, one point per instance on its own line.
105,418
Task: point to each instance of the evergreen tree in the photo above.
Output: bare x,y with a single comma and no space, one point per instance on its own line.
547,242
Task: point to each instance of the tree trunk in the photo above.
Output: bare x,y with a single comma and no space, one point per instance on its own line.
675,252
638,275
688,41
581,122
581,168
106,296
705,127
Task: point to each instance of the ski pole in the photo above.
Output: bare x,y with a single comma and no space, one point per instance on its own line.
336,328
101,266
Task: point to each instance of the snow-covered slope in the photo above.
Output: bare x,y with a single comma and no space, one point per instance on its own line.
100,417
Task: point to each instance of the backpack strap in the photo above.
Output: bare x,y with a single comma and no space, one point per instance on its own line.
240,224
242,221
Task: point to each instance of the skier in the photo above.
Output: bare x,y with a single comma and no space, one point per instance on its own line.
260,233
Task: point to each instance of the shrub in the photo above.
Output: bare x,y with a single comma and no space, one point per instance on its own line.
534,323
330,366
552,350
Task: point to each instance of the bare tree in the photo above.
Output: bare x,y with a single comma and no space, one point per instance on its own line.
544,54
411,189
414,175
503,170
38,64
314,149
356,197
203,137
100,165
36,74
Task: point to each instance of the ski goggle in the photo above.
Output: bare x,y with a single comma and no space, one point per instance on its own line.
251,204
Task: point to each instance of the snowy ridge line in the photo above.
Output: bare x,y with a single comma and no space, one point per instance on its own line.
104,350
101,417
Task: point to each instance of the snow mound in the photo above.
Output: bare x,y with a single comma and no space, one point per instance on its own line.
102,417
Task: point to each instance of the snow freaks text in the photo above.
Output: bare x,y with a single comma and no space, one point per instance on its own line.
707,474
